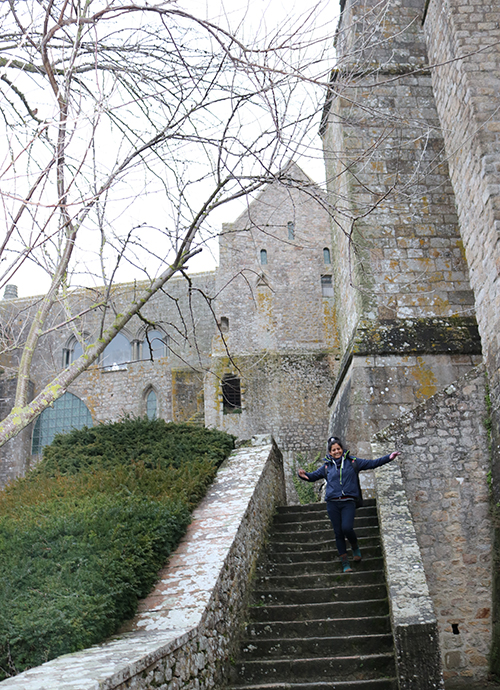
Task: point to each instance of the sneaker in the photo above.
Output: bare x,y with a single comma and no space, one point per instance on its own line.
346,568
356,554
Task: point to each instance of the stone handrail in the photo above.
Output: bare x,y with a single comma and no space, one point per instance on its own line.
414,623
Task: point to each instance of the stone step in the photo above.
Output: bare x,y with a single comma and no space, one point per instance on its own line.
318,595
332,609
362,667
368,503
327,568
320,524
328,627
312,627
326,544
309,581
329,555
296,647
372,684
314,536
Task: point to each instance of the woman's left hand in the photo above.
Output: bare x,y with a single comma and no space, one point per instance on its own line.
394,455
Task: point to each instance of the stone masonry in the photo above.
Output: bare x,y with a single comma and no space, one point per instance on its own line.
463,43
444,470
277,328
405,307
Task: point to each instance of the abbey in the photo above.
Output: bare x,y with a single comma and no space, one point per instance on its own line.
370,310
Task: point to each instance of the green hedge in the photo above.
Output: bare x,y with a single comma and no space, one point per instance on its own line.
83,535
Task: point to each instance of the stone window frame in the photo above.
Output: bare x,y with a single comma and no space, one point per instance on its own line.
72,343
142,346
327,257
232,398
148,391
327,285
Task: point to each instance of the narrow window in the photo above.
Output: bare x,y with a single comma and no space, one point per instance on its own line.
326,256
151,405
327,286
263,257
224,324
291,230
72,351
231,393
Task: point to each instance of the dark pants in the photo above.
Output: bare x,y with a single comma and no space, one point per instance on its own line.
341,514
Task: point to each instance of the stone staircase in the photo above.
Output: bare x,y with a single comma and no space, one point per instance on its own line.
311,627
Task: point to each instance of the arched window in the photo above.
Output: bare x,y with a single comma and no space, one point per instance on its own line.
68,412
263,257
152,405
291,230
326,256
154,345
117,353
72,351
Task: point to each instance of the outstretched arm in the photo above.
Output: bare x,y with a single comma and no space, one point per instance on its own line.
372,464
311,476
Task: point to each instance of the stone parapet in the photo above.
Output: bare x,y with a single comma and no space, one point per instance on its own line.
444,467
414,623
183,636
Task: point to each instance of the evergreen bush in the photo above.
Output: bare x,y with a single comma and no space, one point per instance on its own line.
84,534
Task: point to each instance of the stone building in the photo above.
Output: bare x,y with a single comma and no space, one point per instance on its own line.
249,348
411,139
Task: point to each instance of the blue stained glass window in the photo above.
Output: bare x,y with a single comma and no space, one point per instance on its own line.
67,413
151,405
263,257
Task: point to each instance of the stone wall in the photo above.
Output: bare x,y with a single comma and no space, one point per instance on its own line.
414,624
463,43
397,246
444,465
284,393
183,636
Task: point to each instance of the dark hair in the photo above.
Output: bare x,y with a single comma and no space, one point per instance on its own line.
332,440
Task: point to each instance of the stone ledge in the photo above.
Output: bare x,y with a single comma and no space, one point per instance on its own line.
183,635
414,623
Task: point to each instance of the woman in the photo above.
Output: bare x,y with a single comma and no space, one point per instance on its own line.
342,490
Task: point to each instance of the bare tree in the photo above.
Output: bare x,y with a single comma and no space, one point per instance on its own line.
108,105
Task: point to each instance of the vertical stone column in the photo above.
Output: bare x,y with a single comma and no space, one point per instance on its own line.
463,43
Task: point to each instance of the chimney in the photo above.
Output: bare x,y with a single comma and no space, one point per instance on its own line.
10,291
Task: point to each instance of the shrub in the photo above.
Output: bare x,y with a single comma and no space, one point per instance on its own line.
82,537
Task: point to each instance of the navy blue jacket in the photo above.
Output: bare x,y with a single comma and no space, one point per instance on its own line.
340,475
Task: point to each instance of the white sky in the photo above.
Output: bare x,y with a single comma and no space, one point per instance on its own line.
253,18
